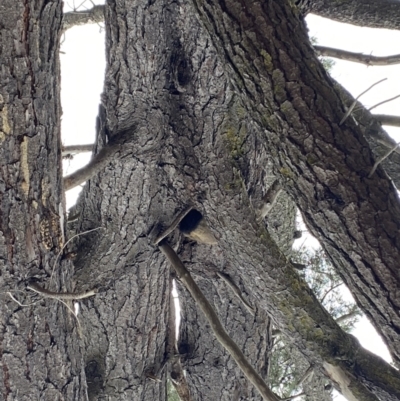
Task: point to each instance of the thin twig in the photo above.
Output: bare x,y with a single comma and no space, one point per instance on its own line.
385,101
306,375
74,314
19,303
75,149
386,155
269,199
62,249
293,397
60,295
355,101
347,316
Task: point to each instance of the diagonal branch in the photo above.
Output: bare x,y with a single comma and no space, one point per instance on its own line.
222,336
91,16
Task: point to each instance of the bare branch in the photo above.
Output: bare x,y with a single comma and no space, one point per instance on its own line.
270,198
309,372
357,57
292,397
75,149
355,100
386,119
60,295
177,374
346,316
98,162
381,159
216,326
385,101
91,16
173,225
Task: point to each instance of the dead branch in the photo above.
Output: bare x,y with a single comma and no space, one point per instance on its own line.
347,316
383,102
309,372
356,99
236,291
386,119
381,159
91,16
366,59
218,329
60,295
75,149
98,162
270,198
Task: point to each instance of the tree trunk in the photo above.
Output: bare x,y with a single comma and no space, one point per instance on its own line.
324,166
188,140
191,143
40,346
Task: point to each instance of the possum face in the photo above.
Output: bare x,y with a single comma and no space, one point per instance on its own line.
194,227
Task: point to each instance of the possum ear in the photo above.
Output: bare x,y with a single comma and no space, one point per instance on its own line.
194,227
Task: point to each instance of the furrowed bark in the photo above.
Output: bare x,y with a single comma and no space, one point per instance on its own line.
40,350
219,331
205,151
323,166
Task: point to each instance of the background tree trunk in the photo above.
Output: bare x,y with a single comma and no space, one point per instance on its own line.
40,346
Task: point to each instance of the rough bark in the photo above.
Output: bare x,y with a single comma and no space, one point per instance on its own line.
211,373
192,144
324,166
366,13
40,346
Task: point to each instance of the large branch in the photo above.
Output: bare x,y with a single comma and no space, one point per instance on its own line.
94,15
386,119
323,165
365,13
366,59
